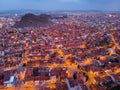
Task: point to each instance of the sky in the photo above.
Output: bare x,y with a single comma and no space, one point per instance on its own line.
105,5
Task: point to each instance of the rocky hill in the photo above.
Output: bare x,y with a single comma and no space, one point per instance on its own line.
31,20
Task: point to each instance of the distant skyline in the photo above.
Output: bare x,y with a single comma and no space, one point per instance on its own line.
48,5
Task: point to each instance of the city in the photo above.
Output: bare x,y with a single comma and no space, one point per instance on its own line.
60,51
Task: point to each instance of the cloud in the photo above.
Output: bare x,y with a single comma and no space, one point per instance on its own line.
60,4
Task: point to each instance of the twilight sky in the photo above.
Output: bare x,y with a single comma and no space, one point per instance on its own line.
109,5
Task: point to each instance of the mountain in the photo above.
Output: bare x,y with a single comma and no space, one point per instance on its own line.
21,11
31,20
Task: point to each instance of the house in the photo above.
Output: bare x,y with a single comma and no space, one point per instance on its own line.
74,84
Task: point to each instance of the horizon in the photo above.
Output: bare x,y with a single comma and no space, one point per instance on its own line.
25,11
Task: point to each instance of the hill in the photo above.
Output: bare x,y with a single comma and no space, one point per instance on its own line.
31,20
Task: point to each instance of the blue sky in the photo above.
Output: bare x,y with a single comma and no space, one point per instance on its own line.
109,5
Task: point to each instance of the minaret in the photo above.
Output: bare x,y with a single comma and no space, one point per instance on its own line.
26,52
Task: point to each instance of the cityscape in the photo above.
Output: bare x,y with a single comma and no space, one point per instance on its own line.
61,48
